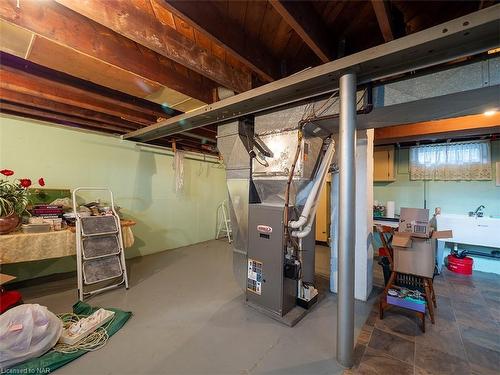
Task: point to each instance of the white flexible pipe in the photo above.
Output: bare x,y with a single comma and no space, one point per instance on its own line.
316,189
303,232
312,212
307,229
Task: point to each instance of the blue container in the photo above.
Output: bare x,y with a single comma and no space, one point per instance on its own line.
406,303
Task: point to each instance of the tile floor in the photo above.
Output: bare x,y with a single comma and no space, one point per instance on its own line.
464,340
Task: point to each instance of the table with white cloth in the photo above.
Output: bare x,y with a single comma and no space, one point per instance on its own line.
25,247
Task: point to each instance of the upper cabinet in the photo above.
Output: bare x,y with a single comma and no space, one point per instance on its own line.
383,163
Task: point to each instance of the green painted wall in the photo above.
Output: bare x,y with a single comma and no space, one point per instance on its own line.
457,197
141,178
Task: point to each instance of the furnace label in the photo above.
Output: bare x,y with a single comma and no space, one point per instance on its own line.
254,279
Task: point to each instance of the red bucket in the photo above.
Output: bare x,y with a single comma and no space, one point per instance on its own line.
462,266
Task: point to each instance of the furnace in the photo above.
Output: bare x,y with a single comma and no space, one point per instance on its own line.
276,167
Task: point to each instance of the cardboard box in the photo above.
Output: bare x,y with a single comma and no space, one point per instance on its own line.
415,221
415,255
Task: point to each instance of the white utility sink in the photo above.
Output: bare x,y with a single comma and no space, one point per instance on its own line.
480,231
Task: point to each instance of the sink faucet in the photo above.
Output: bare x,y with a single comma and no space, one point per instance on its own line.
478,212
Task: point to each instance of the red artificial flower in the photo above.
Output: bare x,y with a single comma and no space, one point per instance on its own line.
25,182
7,172
41,181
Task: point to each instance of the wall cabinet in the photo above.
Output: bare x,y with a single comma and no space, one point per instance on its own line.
383,163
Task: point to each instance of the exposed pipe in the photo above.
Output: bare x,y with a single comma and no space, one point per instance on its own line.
364,110
200,137
310,215
347,225
289,180
197,156
323,169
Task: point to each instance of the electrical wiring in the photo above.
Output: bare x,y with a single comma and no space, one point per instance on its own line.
264,162
311,112
95,341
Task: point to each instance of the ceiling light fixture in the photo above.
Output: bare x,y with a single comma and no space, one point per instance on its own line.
490,112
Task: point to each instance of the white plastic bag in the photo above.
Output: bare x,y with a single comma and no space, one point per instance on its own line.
179,170
27,331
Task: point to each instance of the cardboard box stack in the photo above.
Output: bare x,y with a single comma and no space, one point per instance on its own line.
415,243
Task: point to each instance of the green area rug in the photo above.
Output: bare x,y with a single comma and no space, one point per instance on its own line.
52,360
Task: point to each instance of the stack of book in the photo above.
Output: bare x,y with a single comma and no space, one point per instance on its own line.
47,211
408,299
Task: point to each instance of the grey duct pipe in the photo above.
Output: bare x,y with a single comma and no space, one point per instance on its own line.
346,240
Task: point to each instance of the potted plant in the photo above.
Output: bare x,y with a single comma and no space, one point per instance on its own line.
13,200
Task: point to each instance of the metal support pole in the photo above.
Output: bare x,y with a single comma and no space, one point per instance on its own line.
346,241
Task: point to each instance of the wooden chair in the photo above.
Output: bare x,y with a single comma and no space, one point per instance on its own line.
399,280
385,234
402,280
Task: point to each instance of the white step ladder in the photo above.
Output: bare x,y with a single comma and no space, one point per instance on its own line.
224,222
99,249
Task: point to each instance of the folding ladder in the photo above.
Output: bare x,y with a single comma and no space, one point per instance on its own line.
224,221
99,249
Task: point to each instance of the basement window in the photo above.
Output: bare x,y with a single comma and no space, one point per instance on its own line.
451,161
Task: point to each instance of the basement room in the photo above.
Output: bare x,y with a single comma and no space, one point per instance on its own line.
249,187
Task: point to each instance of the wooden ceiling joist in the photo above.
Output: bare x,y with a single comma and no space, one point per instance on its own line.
135,19
381,8
148,108
473,124
56,117
49,105
207,19
77,37
47,89
32,80
35,92
301,17
183,140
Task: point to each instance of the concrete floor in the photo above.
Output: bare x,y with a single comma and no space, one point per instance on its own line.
190,318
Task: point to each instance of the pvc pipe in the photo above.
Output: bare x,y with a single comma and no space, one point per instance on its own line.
323,169
310,200
303,232
315,198
347,225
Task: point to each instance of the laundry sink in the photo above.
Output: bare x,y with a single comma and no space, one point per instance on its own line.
480,231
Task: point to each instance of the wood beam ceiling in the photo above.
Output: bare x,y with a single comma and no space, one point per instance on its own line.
189,141
135,19
35,92
37,112
44,88
50,105
207,19
381,9
474,124
301,17
470,34
76,38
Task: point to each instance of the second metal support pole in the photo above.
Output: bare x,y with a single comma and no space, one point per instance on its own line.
346,234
